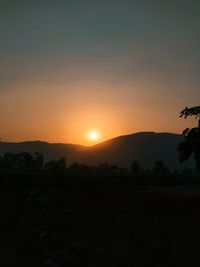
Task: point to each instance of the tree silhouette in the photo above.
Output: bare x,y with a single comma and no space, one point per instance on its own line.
56,165
135,167
191,143
194,111
38,160
22,161
160,168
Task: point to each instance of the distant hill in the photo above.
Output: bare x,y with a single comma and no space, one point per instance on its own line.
50,151
146,147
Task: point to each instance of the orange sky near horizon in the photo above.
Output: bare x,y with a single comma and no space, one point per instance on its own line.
35,113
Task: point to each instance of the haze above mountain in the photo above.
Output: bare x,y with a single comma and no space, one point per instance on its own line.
146,147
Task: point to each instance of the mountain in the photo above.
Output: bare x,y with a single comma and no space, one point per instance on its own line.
50,151
146,147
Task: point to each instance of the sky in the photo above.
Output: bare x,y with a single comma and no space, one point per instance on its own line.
116,67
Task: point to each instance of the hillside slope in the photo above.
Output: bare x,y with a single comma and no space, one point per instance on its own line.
146,147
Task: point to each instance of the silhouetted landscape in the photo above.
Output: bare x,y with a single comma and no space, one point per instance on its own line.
56,213
146,147
99,133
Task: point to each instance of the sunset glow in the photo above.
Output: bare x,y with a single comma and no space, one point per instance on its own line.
93,135
108,70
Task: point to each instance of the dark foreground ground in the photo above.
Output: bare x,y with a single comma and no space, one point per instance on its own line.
97,225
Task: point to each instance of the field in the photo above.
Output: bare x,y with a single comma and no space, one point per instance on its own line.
99,224
182,190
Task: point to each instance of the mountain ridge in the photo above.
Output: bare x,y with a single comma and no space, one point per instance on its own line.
146,147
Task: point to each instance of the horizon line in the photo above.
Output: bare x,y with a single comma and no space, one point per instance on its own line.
76,144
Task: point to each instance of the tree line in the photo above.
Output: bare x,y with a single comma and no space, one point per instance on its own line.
25,162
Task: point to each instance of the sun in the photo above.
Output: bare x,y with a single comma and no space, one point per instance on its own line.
93,135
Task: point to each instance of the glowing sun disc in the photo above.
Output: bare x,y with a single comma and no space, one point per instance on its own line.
93,135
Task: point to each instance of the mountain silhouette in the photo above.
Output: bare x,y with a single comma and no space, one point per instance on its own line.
51,151
146,147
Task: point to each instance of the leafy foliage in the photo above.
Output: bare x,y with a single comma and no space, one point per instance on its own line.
191,144
193,111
